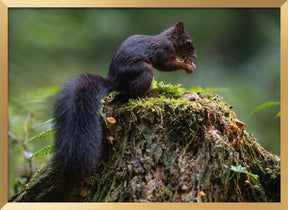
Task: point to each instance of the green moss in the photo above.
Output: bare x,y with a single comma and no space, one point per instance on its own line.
167,90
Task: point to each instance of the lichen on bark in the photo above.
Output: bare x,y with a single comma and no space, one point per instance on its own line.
176,146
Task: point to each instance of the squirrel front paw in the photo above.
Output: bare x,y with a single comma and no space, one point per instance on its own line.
190,66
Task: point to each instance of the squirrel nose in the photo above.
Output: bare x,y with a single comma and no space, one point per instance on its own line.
194,56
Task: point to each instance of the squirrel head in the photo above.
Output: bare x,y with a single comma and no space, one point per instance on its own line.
183,42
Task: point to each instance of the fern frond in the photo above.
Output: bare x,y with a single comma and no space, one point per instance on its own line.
43,151
266,105
48,132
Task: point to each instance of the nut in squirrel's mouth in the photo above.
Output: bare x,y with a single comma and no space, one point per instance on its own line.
189,61
193,65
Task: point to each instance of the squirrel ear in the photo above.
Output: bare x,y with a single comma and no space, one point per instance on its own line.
179,26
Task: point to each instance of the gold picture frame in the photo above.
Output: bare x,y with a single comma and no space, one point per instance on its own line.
6,4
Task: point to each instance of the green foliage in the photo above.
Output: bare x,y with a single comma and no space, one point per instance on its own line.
27,111
45,133
49,122
25,114
266,105
43,151
240,169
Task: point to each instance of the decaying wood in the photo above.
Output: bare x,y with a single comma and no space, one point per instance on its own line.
170,146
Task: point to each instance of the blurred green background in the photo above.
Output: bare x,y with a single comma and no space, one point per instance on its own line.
237,49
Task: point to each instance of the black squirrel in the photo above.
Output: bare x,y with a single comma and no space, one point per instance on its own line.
78,137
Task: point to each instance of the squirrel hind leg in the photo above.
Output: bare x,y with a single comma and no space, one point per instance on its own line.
140,82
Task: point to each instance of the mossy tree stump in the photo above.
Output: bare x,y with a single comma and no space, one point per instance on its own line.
171,146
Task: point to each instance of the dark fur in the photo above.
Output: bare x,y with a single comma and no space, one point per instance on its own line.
78,139
78,129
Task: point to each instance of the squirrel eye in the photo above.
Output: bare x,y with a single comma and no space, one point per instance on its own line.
188,42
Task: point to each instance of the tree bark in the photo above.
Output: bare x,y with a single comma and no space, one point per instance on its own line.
171,146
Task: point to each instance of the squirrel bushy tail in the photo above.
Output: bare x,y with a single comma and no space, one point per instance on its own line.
78,138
